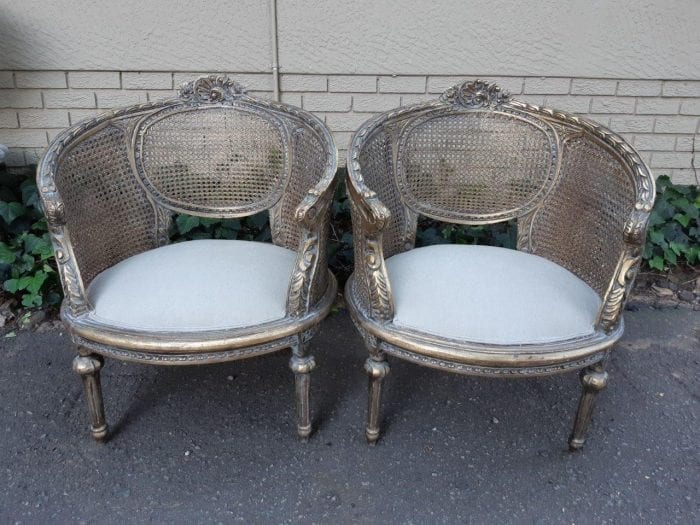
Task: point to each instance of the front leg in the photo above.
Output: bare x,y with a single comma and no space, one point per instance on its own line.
302,365
593,380
377,369
88,366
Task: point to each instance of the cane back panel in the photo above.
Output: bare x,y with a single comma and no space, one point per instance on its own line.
475,166
222,160
108,214
580,225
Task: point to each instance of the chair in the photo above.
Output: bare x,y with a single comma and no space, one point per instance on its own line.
581,197
110,187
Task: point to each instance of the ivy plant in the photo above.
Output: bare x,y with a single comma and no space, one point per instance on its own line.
27,267
673,236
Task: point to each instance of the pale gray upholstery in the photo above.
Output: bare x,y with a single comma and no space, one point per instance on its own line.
195,286
491,295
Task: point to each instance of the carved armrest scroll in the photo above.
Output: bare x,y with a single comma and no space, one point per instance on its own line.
370,217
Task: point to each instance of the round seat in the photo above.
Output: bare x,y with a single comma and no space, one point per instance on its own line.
194,286
489,295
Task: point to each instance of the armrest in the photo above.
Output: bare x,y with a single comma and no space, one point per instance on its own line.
633,230
621,284
310,212
307,283
373,214
74,292
371,279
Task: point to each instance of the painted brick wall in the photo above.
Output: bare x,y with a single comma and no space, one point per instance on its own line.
661,118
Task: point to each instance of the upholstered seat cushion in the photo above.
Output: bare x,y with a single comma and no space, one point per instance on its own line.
489,295
195,285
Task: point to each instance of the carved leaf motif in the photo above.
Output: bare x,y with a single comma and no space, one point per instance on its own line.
72,284
380,293
615,300
300,281
55,212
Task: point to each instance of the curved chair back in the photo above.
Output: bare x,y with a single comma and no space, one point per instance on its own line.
113,182
581,195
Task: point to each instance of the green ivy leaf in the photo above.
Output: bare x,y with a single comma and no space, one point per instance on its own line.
24,282
31,300
30,194
682,219
11,285
36,245
9,211
670,257
655,219
693,254
656,236
186,223
677,247
657,263
25,265
7,256
208,221
663,182
37,281
226,233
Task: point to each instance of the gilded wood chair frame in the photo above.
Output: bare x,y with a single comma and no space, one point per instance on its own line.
301,225
369,294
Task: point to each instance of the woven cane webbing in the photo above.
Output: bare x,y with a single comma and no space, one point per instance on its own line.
108,214
360,270
378,172
308,164
222,158
320,282
473,166
581,221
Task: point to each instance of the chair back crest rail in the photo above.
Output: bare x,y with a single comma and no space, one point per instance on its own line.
581,195
110,184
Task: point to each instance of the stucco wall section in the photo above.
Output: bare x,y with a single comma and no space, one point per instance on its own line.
648,39
134,35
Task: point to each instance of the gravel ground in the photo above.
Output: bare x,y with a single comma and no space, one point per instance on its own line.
217,443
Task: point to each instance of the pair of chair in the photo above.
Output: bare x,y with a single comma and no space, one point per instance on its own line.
581,197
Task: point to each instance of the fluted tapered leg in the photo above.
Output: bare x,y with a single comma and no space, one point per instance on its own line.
302,365
377,368
88,366
593,380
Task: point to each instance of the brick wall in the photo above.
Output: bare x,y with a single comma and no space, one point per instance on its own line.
660,118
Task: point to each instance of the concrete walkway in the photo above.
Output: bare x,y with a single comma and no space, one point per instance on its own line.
217,443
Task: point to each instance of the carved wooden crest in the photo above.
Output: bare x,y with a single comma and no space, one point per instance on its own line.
211,89
475,94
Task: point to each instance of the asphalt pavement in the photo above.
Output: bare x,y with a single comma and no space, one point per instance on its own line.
217,443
